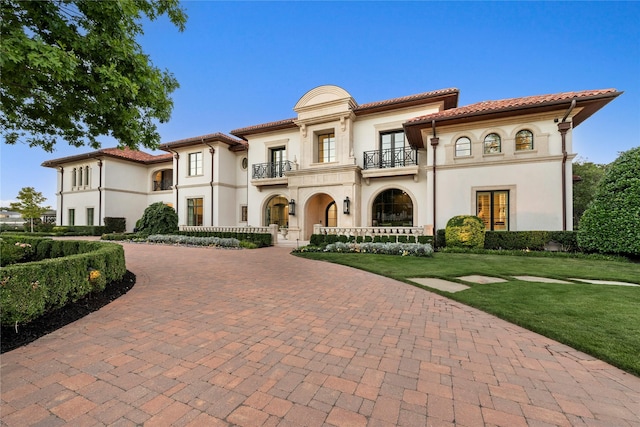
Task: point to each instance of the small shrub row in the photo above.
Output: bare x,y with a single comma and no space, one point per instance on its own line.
65,271
327,239
79,230
122,236
403,249
259,239
224,242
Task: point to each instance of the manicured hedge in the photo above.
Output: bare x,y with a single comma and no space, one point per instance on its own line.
531,240
115,224
64,271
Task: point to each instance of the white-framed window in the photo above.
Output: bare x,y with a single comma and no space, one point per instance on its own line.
463,147
244,213
326,147
74,178
72,216
86,176
195,163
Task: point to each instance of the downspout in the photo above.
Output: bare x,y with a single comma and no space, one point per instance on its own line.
563,127
177,176
212,151
61,195
100,192
434,143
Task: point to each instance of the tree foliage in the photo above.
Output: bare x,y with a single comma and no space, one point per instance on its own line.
29,205
72,69
158,218
611,224
584,190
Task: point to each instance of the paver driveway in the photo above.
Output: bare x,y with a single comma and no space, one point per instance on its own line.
259,337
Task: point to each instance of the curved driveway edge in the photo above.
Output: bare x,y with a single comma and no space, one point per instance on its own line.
211,337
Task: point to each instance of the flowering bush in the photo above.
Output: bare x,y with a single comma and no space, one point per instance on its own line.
402,249
13,253
196,241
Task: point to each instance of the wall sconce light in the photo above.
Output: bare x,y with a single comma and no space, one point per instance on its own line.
292,207
346,206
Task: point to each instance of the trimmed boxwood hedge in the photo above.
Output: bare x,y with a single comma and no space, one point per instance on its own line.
531,240
63,271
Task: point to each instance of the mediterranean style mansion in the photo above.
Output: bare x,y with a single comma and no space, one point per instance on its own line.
414,161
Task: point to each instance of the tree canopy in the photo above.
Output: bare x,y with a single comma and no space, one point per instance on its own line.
611,223
73,70
584,190
28,204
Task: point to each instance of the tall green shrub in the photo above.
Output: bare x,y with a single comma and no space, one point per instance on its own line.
611,224
465,231
158,218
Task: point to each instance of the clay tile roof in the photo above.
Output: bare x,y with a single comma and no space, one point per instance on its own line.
115,152
218,136
264,127
406,99
486,107
134,155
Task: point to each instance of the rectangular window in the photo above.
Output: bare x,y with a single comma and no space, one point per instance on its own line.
194,211
493,209
89,216
86,175
326,148
72,217
73,178
195,164
244,213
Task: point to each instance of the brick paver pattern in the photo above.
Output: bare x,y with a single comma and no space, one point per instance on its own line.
211,337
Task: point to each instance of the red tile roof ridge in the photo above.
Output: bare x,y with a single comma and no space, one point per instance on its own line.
117,152
510,103
413,97
210,136
263,126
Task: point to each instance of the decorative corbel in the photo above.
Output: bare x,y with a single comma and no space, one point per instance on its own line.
303,129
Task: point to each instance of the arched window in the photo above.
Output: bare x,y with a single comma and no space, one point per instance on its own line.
80,175
524,140
74,178
86,175
492,143
392,208
463,147
277,211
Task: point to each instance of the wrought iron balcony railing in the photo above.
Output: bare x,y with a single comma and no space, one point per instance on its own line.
390,158
271,170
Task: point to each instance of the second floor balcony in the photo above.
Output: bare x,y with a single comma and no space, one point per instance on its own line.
271,169
390,158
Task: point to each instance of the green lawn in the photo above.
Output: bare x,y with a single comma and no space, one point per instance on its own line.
600,320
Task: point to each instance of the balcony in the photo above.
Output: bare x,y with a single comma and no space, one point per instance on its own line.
272,173
390,162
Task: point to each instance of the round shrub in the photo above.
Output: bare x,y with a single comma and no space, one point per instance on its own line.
611,223
465,231
158,218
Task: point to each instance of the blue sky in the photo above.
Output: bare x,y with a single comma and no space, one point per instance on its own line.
245,63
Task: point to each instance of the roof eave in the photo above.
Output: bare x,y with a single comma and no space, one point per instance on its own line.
589,105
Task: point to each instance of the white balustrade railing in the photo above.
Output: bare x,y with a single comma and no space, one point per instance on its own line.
414,232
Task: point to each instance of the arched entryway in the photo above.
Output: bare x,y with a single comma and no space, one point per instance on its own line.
392,208
320,209
277,211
